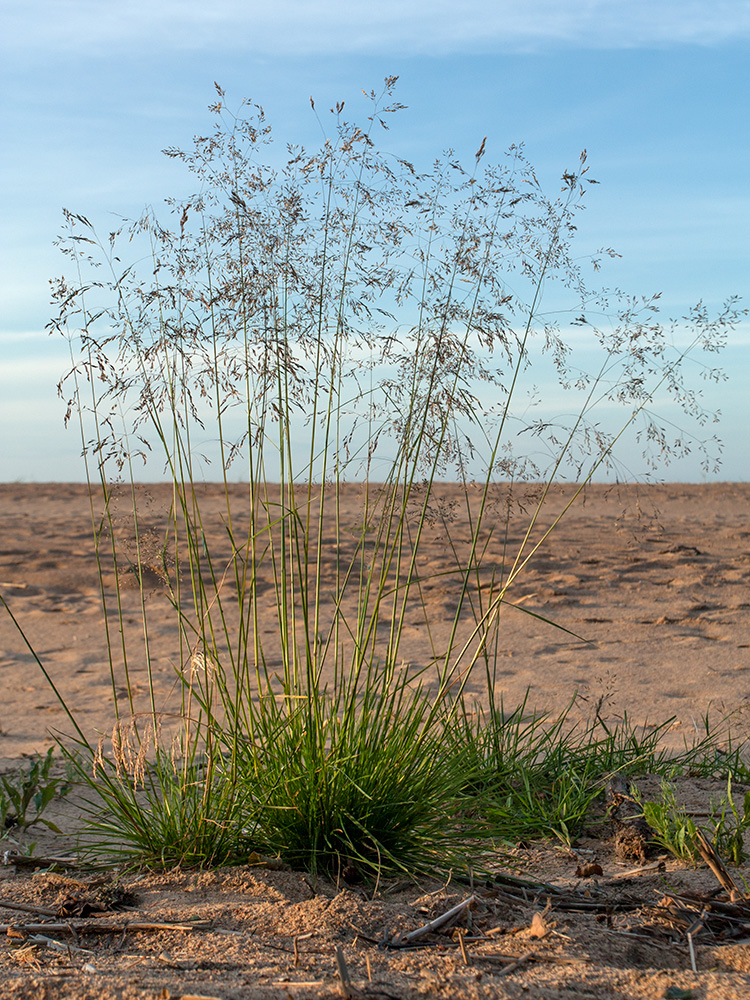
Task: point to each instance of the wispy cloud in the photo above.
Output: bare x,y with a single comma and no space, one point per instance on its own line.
307,27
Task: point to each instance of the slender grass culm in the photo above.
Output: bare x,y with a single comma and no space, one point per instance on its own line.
337,319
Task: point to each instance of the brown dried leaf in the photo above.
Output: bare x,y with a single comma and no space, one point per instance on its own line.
589,870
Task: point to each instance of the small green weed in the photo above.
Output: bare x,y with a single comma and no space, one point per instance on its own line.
729,837
25,795
672,827
675,830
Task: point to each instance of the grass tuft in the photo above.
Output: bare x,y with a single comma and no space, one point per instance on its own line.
360,783
306,321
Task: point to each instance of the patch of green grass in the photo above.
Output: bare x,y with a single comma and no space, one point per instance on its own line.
529,776
354,780
165,810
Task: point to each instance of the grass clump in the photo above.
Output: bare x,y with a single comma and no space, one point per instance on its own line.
331,320
154,803
361,784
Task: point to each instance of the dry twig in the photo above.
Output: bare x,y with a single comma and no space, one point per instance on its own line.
439,923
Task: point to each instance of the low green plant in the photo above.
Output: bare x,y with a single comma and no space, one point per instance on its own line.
529,776
672,827
166,805
676,831
27,793
525,777
730,826
542,803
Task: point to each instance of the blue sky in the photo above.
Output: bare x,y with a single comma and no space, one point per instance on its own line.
657,92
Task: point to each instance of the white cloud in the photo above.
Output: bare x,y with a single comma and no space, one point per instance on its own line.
404,27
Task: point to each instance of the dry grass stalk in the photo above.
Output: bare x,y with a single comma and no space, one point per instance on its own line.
443,922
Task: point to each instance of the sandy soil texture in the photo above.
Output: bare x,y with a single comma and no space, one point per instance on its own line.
554,924
657,580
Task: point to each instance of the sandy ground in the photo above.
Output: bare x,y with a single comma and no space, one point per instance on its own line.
657,581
